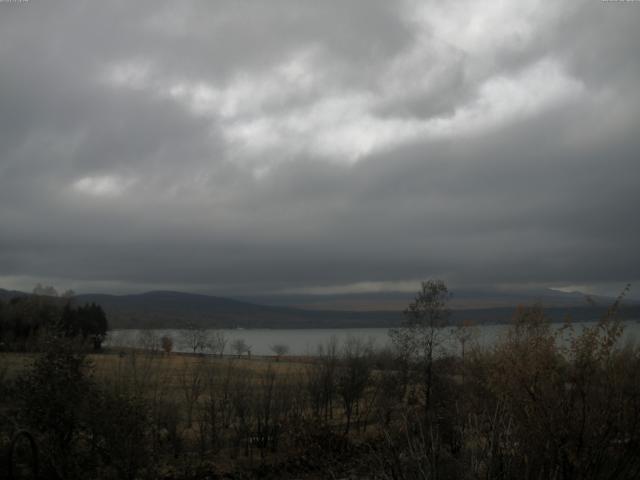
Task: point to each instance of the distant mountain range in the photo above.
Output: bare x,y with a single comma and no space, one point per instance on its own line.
397,301
167,309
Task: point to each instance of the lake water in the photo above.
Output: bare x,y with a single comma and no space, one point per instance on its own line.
306,341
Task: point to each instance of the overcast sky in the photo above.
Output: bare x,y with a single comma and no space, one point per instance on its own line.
305,146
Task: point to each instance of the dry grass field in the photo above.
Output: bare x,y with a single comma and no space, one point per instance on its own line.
110,363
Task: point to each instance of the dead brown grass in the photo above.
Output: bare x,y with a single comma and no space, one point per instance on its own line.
114,364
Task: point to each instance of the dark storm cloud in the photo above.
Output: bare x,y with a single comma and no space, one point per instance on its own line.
245,147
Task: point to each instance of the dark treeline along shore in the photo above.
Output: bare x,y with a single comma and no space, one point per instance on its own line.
542,402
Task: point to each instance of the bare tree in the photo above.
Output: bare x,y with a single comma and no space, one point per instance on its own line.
242,402
216,409
321,380
280,350
192,383
218,342
195,337
464,333
421,332
148,341
265,409
240,346
167,344
353,377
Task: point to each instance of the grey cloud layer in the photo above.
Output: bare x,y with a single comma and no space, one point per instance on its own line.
252,146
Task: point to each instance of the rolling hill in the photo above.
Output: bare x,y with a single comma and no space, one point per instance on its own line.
168,309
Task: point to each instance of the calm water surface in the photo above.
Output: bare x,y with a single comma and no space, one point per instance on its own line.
306,341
